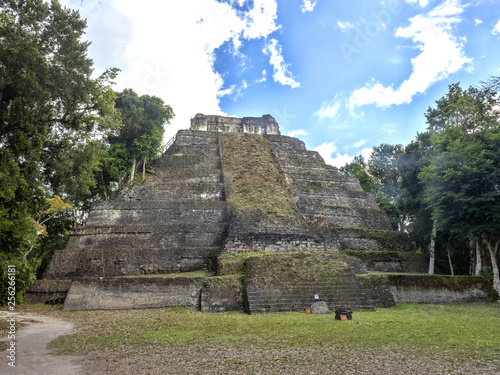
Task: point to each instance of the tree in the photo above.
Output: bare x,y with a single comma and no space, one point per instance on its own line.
358,168
54,207
140,137
418,221
383,166
462,178
53,115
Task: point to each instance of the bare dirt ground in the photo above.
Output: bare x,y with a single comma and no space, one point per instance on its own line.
32,355
194,360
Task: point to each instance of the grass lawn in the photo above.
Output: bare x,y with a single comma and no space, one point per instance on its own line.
455,333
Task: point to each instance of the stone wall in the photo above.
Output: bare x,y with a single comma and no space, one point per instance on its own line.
133,293
388,290
257,125
223,293
253,242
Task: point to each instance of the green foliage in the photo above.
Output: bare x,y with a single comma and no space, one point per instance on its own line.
24,276
140,138
52,114
358,168
462,177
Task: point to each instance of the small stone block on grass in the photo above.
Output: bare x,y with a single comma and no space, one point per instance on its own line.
320,307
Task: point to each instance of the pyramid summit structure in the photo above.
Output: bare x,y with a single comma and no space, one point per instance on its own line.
265,222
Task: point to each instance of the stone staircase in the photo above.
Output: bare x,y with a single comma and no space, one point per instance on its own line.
173,222
293,282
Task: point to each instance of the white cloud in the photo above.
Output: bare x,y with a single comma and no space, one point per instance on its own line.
442,54
496,29
296,133
422,3
478,21
263,79
344,25
366,153
167,48
328,110
327,149
281,74
261,19
328,152
360,143
308,6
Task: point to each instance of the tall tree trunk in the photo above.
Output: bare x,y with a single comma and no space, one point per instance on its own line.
144,169
449,258
472,253
132,172
479,258
104,187
432,250
493,250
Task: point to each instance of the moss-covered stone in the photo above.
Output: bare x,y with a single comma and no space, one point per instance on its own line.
255,183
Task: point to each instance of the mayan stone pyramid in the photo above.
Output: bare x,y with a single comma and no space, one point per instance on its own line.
266,222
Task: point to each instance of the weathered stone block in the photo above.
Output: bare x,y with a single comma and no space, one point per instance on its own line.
222,294
133,293
320,307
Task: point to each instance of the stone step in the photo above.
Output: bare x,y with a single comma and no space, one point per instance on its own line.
188,161
94,262
342,198
170,190
148,236
351,218
189,175
340,183
159,212
193,137
197,149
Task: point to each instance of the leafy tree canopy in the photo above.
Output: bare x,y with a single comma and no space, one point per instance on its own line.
53,114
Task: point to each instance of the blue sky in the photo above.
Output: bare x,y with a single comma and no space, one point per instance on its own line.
342,76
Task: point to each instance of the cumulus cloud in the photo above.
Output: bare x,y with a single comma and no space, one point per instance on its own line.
366,153
260,20
477,21
328,110
496,29
167,48
360,143
422,3
308,6
326,150
281,74
442,54
296,133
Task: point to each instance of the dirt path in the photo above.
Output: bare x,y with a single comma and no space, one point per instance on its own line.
32,355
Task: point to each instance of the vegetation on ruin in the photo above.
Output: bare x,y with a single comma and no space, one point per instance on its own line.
255,181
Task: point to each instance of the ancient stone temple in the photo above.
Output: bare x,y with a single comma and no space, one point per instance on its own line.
268,224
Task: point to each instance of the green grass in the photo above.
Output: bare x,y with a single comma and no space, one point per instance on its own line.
453,332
